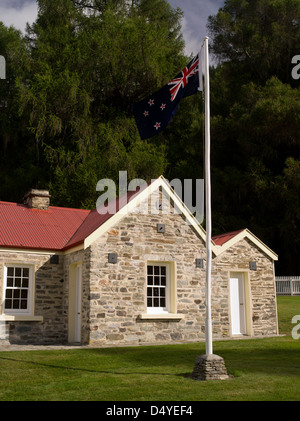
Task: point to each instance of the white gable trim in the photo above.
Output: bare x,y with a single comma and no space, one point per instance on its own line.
136,200
191,220
245,234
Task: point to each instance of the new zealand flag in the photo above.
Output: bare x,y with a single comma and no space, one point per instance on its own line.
155,112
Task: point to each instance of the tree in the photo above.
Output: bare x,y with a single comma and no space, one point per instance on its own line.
257,38
255,156
15,149
90,60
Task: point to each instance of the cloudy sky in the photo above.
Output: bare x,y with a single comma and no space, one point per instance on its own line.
18,12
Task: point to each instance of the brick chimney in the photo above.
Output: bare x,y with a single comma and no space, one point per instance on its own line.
37,199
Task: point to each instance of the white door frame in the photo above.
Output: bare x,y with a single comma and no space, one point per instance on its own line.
238,303
77,333
75,302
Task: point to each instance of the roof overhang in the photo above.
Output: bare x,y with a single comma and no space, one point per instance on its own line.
136,201
240,236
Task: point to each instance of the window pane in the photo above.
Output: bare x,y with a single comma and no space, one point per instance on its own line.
163,280
8,293
10,282
156,280
8,303
23,304
10,271
156,292
149,302
24,293
16,293
17,282
25,283
149,292
162,292
162,302
15,304
150,280
156,270
163,270
156,302
18,271
25,273
150,270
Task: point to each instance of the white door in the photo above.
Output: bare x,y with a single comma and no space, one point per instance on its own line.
237,304
77,336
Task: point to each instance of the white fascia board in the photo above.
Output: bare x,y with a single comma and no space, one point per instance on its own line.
136,200
30,251
183,209
114,219
246,234
260,244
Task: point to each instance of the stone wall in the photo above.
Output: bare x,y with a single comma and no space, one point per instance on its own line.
262,290
118,291
48,301
114,294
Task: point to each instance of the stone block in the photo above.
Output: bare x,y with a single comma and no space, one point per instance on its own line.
209,367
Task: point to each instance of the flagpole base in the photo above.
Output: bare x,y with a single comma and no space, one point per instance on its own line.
209,367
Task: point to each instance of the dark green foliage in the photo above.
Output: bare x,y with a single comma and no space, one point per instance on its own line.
66,119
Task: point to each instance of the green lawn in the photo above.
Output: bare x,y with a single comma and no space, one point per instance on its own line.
287,308
262,369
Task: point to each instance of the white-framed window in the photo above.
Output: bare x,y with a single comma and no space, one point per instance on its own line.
17,291
158,287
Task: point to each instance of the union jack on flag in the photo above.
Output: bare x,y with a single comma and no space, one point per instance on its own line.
155,112
181,82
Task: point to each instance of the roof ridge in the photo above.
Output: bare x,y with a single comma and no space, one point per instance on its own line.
3,202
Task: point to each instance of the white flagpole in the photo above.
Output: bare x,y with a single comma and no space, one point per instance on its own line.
208,330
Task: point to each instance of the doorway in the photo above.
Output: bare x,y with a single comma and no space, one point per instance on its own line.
238,304
75,306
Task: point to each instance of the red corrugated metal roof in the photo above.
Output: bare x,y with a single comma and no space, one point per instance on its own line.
53,229
94,220
24,227
221,239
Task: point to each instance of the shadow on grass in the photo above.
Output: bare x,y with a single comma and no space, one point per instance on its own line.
280,357
87,370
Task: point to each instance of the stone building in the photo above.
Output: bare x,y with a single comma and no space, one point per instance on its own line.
134,276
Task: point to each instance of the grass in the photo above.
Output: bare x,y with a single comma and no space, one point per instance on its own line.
287,308
262,369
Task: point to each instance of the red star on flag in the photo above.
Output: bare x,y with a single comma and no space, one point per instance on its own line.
151,102
157,126
146,113
163,106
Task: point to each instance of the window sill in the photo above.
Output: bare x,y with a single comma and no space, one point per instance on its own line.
162,316
20,318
